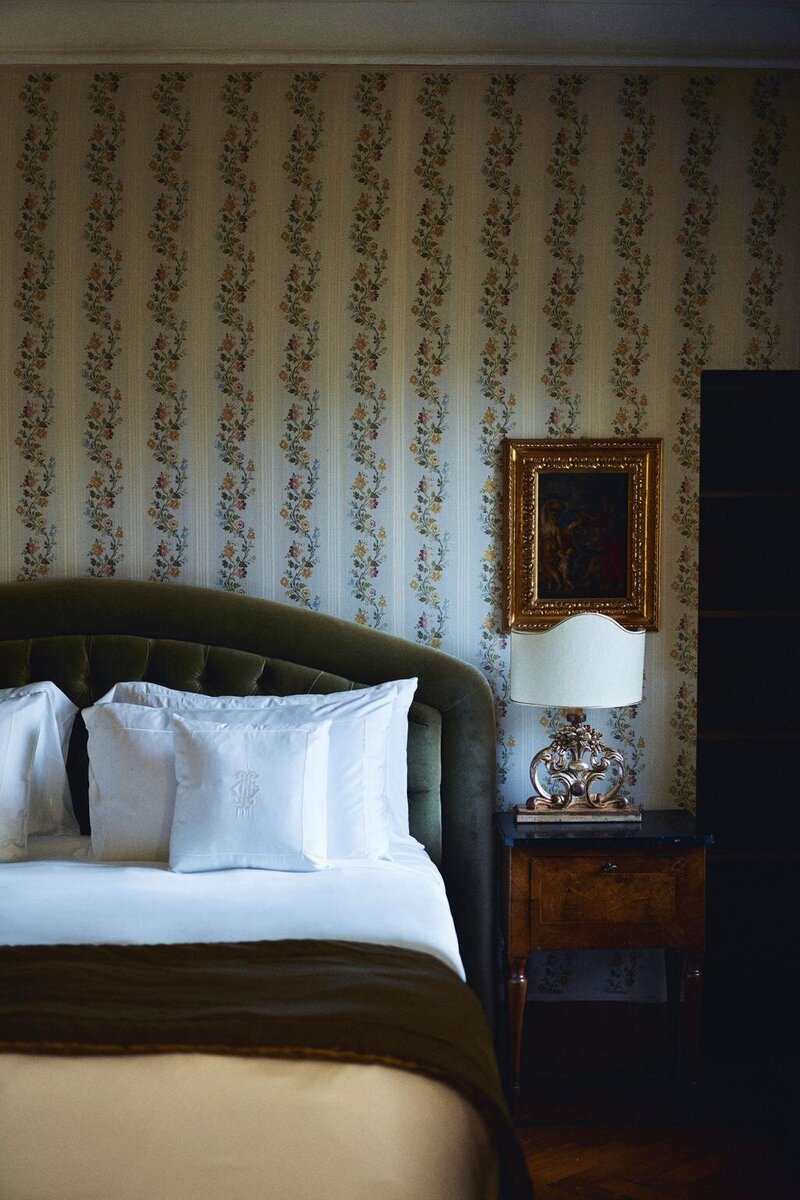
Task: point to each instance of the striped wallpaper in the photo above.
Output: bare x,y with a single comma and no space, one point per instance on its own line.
265,330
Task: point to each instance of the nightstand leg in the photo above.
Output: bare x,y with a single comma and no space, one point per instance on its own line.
692,993
685,974
673,960
517,995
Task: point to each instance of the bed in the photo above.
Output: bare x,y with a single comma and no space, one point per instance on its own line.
175,1031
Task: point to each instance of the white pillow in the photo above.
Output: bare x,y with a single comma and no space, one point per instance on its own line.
249,797
21,720
357,825
131,781
49,799
400,693
132,772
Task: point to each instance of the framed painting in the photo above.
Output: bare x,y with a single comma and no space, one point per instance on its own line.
581,530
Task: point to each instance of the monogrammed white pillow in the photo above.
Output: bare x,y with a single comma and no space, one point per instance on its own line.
21,721
399,692
49,799
249,797
357,825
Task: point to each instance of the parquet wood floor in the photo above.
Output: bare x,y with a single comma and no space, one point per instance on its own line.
629,1144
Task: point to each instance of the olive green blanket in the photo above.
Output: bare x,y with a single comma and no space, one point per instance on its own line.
290,999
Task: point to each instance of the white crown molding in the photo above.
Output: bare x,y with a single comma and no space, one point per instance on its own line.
694,33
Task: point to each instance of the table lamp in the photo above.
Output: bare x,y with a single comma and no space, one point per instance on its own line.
585,661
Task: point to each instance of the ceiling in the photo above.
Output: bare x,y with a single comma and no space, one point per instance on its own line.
761,33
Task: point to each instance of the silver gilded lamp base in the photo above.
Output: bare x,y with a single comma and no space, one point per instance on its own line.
584,781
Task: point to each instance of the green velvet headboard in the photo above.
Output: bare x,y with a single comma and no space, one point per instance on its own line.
86,634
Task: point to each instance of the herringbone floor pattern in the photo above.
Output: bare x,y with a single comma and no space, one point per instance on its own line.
694,1151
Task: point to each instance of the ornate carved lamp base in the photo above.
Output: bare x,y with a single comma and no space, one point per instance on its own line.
586,779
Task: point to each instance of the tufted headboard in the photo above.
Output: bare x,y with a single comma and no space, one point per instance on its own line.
87,634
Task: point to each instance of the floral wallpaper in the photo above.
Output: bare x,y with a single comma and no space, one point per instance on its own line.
32,346
368,346
266,328
166,304
297,305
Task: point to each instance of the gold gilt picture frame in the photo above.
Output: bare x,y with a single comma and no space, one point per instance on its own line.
581,530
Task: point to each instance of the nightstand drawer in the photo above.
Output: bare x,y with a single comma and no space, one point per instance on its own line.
595,899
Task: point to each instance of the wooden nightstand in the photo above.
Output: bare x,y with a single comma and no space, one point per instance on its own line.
606,886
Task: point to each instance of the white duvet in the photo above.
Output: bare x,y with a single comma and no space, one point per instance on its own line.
60,895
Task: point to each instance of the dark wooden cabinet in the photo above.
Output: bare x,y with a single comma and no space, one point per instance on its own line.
747,716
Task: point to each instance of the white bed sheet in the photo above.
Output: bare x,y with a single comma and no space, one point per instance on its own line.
60,895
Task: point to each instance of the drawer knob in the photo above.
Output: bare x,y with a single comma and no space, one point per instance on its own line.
610,866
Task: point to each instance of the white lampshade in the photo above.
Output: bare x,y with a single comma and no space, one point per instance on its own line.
586,661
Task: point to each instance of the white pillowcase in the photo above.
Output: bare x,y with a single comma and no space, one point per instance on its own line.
49,798
22,719
131,781
356,820
132,778
399,692
248,796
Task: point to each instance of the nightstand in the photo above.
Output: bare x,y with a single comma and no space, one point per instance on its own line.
606,886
